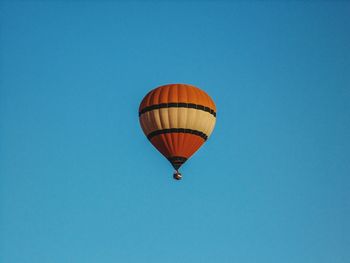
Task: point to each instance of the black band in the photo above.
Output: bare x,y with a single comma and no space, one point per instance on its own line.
177,161
177,105
177,130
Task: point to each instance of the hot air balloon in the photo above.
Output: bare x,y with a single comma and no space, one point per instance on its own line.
177,119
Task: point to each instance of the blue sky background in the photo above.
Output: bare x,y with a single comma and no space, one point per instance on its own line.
79,181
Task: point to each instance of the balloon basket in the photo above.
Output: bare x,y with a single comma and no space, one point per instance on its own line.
177,176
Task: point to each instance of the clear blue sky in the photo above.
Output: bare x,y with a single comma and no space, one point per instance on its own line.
79,182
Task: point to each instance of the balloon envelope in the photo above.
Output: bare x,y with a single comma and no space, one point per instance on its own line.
177,119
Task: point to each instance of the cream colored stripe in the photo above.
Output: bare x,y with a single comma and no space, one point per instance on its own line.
145,123
168,118
211,126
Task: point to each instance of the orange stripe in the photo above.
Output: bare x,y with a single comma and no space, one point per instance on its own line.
181,144
175,93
